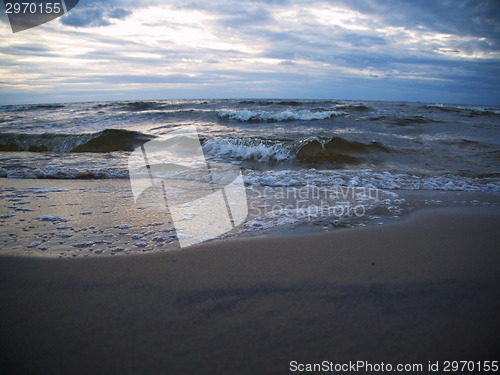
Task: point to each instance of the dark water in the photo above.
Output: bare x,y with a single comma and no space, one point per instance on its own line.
386,145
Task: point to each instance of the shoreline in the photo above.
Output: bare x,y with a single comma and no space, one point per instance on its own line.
421,289
98,218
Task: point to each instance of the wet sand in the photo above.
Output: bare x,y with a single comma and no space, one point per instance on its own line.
423,289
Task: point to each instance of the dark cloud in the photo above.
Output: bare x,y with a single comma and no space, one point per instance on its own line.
95,14
87,17
119,13
27,50
232,6
244,18
480,18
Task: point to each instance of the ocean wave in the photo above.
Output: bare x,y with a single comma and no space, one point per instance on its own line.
313,149
145,105
31,107
273,116
12,109
363,178
466,144
104,141
288,103
369,178
337,149
63,172
142,105
261,150
469,110
170,113
479,111
354,107
405,121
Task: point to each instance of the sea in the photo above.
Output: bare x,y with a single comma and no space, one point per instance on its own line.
382,159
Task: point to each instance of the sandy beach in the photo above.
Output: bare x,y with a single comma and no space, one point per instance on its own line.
422,289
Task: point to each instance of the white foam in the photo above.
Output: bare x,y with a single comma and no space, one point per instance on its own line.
485,110
162,238
40,190
369,179
156,223
51,218
188,216
288,115
123,226
62,171
249,148
168,229
83,244
62,227
62,234
260,224
20,208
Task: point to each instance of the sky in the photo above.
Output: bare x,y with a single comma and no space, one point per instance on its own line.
437,51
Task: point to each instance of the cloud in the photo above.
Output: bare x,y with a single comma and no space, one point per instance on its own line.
94,15
88,17
307,48
119,13
466,18
26,50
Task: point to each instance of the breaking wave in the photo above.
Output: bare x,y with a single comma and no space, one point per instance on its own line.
31,107
370,179
107,140
467,110
274,116
291,103
314,149
367,178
